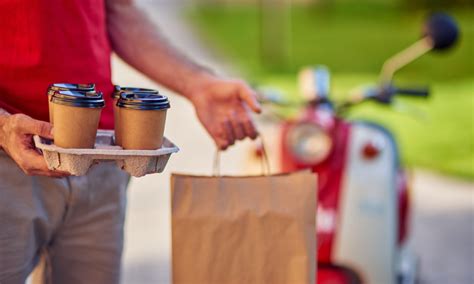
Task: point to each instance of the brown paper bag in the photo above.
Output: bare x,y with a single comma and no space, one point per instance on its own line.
244,229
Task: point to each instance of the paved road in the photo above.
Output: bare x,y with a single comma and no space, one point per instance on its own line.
443,220
443,229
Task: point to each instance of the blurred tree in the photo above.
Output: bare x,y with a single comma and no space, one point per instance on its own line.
436,4
275,29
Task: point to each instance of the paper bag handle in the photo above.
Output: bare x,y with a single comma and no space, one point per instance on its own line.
265,163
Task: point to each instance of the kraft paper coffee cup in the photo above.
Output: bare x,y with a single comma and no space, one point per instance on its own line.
66,87
76,118
115,96
142,118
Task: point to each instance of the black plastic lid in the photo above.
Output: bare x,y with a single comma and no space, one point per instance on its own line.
70,87
119,90
78,99
143,101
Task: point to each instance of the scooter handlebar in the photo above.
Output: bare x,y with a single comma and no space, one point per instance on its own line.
413,92
386,93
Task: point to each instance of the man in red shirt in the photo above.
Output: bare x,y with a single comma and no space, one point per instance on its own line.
78,221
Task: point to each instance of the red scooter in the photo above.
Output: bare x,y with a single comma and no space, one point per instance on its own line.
363,197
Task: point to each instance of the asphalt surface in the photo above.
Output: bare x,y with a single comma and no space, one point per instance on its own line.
443,229
443,216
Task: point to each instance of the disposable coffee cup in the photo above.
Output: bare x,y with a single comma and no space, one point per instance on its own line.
76,118
142,118
115,97
66,87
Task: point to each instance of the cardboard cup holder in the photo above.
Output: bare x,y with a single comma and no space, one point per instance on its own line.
78,161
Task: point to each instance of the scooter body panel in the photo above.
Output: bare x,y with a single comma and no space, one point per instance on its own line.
367,230
363,204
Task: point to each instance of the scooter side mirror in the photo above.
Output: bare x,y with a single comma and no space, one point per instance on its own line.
442,30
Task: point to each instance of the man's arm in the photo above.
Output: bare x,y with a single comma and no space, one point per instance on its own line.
221,105
16,139
138,42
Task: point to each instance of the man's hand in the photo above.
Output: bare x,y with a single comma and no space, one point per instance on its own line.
16,138
223,107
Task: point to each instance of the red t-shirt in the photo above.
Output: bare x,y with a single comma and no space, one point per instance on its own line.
55,41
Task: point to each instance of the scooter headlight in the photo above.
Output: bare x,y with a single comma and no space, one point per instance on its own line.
309,143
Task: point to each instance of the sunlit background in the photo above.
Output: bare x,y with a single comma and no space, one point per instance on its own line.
267,42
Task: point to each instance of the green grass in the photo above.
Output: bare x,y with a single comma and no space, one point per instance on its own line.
353,40
347,38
